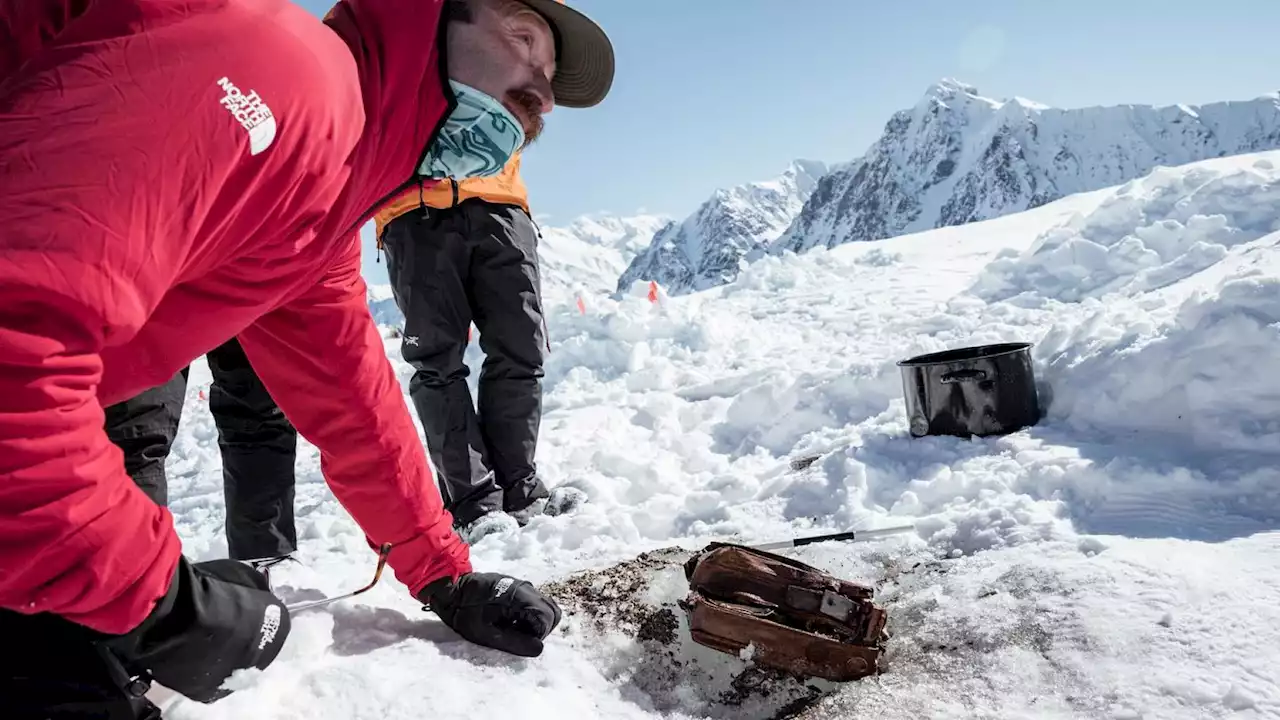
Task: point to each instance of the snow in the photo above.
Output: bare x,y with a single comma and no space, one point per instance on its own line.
731,228
1151,233
1117,560
383,306
584,258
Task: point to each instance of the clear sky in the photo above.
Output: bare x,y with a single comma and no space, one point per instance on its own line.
714,93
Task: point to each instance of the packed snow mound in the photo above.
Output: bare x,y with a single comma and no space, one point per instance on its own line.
1173,288
1150,233
710,247
1192,358
958,157
1197,367
1112,561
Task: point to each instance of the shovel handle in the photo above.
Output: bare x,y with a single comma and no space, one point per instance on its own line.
383,552
850,536
837,537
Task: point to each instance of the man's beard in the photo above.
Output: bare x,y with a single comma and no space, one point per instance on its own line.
531,114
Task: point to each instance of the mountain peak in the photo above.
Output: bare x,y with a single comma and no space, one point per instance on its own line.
949,87
807,168
949,91
952,93
709,247
1028,104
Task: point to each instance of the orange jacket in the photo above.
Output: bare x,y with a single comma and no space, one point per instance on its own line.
505,187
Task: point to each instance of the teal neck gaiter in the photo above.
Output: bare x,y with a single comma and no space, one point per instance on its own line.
477,139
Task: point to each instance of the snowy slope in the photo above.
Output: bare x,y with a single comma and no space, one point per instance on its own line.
709,247
578,260
1116,561
585,257
957,157
382,305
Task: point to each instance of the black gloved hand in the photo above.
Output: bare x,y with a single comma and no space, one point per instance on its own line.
494,610
217,617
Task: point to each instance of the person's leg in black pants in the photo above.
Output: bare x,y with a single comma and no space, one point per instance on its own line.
476,261
258,447
429,265
257,442
143,427
506,298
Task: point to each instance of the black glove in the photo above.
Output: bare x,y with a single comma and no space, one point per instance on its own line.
494,610
217,617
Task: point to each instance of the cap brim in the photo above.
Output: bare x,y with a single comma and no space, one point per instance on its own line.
584,67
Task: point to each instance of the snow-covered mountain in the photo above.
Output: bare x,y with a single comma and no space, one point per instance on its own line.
580,259
709,246
382,304
957,157
588,254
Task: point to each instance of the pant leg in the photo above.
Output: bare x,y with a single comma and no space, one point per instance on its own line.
143,427
428,262
507,300
258,447
52,670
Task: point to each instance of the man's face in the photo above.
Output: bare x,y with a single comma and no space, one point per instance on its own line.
507,51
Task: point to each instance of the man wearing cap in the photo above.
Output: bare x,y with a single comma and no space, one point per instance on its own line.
175,174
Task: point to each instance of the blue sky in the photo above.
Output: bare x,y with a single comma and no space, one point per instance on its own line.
714,93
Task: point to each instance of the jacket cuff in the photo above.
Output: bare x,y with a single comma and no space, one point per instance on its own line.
429,557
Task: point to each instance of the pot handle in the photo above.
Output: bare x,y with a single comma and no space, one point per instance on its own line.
964,375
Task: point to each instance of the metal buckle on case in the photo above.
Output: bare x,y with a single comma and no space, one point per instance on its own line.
837,606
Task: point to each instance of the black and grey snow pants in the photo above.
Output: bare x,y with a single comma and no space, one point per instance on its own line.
475,262
257,443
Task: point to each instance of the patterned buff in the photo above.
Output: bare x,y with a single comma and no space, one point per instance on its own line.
477,140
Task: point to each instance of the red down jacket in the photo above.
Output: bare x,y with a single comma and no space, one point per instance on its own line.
174,173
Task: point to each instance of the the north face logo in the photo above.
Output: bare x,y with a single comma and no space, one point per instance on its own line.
503,585
270,626
252,113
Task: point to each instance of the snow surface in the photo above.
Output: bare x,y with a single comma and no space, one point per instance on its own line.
1119,560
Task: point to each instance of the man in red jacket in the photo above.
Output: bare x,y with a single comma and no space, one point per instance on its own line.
174,173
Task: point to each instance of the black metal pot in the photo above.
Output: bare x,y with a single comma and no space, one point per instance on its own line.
983,390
